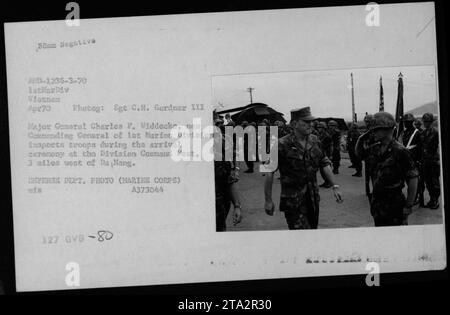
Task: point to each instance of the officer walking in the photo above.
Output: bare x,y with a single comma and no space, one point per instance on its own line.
336,140
392,167
299,158
431,160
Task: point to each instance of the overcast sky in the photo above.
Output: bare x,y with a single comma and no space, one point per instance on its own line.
328,92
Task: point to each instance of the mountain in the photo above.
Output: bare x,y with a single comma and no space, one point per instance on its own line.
430,107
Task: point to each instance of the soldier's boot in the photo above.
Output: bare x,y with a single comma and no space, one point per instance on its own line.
433,204
419,200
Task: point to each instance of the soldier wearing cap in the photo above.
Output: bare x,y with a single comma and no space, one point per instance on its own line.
299,158
431,160
392,167
336,140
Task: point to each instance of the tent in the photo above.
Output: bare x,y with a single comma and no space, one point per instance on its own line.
254,112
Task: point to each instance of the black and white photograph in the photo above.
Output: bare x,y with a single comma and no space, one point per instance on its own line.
366,152
235,150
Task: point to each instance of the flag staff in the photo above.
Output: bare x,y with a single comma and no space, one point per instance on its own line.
399,107
353,100
381,108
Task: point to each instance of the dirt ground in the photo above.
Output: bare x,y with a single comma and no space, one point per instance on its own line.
353,212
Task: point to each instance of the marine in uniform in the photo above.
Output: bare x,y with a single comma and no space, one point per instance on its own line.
352,136
299,158
392,167
327,148
431,160
411,139
314,129
367,144
336,140
325,139
226,175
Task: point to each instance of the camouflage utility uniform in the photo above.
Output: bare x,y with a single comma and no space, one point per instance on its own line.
431,162
389,172
225,175
298,166
325,139
352,136
368,158
336,140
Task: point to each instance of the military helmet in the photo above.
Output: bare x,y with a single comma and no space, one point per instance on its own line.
428,117
417,122
368,118
408,117
382,120
332,123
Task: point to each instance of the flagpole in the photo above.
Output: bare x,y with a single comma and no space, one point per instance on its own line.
353,99
381,106
399,107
